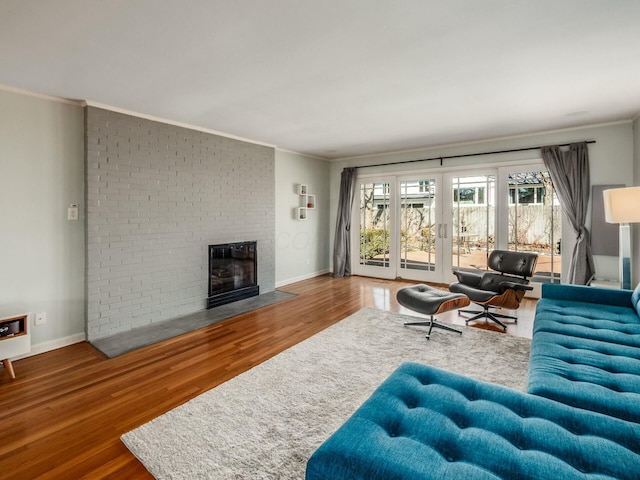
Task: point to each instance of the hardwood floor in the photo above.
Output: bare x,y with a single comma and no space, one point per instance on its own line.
62,417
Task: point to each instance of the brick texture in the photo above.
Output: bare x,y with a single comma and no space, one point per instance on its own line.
157,195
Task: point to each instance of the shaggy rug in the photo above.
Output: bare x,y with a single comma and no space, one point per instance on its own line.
266,422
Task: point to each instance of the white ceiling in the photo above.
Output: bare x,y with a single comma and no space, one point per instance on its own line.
335,78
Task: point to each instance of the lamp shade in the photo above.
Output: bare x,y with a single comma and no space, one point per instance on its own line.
622,205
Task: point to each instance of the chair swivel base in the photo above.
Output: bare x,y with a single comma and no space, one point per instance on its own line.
433,323
488,315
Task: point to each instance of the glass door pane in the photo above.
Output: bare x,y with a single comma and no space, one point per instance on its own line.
375,229
473,220
419,251
535,221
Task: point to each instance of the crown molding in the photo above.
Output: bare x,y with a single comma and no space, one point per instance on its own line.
42,96
90,103
308,155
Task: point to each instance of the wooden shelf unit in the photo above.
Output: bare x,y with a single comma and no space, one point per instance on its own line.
14,344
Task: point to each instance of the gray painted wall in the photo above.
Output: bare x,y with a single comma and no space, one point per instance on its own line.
41,252
157,196
302,246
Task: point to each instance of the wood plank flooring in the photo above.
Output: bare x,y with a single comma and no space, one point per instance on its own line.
62,417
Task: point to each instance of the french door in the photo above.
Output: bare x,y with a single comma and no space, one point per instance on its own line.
400,231
473,218
421,235
533,218
422,226
375,240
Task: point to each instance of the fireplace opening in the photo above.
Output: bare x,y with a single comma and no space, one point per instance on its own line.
233,273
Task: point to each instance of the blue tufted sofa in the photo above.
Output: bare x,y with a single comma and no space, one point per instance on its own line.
586,349
580,417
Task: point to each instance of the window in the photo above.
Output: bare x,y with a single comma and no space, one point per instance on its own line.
527,195
469,195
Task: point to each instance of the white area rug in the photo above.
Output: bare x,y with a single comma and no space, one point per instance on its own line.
265,423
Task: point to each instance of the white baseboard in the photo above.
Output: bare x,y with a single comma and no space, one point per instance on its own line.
54,344
289,281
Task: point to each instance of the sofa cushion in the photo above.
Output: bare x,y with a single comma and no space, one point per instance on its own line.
584,294
586,355
589,374
426,423
606,323
635,299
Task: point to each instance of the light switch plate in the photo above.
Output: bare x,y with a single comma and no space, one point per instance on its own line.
72,212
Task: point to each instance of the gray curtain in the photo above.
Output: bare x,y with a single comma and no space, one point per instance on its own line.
342,242
569,172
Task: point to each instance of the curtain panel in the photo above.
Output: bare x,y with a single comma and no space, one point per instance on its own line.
569,172
342,242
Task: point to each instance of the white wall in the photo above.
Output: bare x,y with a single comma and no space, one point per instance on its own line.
611,161
302,246
42,254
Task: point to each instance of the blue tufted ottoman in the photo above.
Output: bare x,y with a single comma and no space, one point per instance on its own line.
431,301
426,423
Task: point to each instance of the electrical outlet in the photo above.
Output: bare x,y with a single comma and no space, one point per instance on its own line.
41,318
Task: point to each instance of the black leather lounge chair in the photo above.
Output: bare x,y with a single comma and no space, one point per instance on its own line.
503,288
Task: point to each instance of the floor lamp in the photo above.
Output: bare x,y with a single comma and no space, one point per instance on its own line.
622,205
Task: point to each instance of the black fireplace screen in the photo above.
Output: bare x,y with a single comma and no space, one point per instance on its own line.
232,272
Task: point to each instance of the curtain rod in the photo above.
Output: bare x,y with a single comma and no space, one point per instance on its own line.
447,157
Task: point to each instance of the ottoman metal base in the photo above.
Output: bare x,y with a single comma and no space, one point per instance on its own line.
431,324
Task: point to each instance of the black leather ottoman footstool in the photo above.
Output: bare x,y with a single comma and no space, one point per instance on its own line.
431,301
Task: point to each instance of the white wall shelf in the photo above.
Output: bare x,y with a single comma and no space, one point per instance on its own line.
307,202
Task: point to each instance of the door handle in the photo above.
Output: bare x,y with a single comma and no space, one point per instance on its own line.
439,230
445,230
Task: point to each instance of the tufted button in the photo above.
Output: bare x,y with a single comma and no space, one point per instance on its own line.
450,456
410,401
518,442
393,430
521,414
471,395
582,468
462,423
